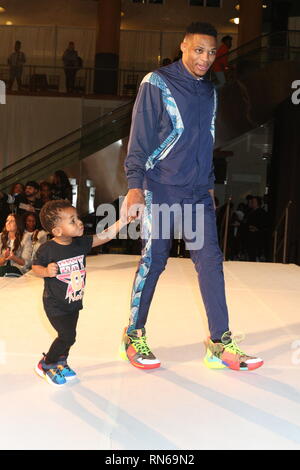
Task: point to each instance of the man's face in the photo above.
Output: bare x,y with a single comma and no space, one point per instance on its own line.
198,53
45,192
30,191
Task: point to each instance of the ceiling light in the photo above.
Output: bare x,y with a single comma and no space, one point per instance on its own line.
237,7
8,23
2,10
235,20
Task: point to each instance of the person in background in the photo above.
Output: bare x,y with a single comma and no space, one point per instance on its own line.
15,252
45,192
16,189
256,229
71,64
220,67
16,60
62,189
166,61
29,201
32,233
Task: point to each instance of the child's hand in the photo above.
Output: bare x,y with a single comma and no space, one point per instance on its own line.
52,269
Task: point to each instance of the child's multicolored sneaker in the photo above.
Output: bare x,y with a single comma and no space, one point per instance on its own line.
227,354
51,373
134,348
65,369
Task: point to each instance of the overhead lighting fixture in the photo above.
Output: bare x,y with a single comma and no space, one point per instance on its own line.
235,20
237,7
2,10
9,23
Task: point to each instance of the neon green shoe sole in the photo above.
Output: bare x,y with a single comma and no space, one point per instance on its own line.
212,362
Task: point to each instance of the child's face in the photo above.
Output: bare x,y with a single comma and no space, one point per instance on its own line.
69,225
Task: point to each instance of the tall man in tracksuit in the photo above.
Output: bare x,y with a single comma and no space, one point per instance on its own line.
169,162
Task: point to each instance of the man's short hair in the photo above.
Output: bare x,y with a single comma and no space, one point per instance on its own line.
33,184
50,213
202,28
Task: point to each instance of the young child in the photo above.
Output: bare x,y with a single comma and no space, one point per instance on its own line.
61,262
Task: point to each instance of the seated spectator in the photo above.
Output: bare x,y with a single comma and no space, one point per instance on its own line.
62,189
15,253
31,232
16,189
45,192
29,201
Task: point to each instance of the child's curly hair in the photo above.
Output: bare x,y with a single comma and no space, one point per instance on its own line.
50,213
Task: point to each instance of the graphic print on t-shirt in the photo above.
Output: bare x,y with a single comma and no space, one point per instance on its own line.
73,273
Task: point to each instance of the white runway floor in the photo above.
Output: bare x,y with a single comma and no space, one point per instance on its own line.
182,405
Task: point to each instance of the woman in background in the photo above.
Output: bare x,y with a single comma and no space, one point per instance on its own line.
15,252
62,189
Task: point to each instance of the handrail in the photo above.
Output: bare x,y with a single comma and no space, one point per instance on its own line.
284,217
262,36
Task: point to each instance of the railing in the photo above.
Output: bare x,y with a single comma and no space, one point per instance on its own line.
259,52
51,79
255,54
283,243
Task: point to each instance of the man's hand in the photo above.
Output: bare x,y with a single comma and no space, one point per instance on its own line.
52,269
133,205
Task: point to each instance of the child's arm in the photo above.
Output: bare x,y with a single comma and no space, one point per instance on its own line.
108,234
50,271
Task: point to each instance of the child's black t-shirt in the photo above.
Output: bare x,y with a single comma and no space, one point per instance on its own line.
63,294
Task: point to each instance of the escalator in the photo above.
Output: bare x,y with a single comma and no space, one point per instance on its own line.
262,73
70,149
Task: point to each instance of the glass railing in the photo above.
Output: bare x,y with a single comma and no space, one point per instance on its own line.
256,54
43,79
71,148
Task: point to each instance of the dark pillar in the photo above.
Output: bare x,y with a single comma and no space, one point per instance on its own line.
250,26
107,47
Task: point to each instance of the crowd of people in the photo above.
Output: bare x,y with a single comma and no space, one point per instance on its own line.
20,227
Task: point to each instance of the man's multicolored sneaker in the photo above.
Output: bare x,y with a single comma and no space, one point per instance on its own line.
227,354
51,373
65,369
134,348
